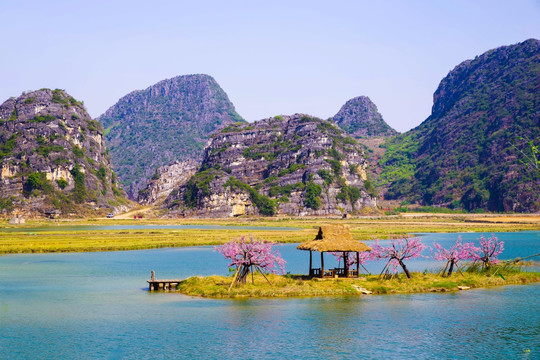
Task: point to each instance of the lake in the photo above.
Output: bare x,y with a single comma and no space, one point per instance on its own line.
96,306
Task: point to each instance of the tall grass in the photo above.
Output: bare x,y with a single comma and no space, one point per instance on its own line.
56,239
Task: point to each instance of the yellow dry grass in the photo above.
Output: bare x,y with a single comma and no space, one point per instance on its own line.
58,239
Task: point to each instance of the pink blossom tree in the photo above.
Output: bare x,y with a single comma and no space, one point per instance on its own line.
400,249
454,255
488,251
251,254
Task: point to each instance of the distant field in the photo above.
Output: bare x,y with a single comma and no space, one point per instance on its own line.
56,238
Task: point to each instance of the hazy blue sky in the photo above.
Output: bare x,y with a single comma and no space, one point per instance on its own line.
271,57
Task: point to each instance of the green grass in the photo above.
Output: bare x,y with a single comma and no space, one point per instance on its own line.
298,285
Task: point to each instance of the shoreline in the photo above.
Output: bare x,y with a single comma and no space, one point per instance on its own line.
216,287
54,235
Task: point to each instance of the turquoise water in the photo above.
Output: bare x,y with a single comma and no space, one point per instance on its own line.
95,306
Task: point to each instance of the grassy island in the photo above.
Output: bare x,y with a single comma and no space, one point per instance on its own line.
299,285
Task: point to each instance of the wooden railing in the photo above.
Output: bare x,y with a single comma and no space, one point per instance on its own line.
331,273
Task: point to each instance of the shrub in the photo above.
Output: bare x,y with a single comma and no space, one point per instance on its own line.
7,147
94,125
13,115
336,166
58,97
349,194
292,168
335,154
45,150
265,205
370,189
286,190
42,118
326,176
62,183
6,204
79,191
198,186
313,193
319,153
102,173
36,181
78,152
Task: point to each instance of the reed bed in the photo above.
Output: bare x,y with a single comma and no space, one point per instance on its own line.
57,239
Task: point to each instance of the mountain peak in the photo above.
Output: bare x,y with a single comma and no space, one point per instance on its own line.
166,122
469,153
361,118
53,156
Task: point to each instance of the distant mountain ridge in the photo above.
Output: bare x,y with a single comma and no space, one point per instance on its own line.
469,152
166,122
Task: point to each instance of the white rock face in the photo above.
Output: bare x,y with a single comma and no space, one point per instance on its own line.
59,173
288,165
168,178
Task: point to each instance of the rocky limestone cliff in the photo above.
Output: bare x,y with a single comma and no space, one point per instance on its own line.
472,152
165,180
168,121
361,118
295,165
53,156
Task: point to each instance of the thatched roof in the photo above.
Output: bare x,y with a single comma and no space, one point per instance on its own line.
334,238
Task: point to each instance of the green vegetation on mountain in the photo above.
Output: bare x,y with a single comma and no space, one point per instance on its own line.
53,157
168,121
281,165
469,153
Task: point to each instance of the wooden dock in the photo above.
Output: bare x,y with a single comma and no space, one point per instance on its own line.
167,284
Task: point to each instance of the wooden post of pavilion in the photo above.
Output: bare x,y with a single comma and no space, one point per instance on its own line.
346,264
310,264
322,264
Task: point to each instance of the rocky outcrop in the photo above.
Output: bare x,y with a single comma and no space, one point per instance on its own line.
53,156
474,150
294,165
361,118
165,180
166,122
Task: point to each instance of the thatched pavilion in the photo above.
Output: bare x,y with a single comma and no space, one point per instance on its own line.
334,238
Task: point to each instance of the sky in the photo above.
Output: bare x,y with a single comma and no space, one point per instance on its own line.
271,57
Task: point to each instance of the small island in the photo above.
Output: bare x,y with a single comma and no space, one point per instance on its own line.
255,263
301,285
